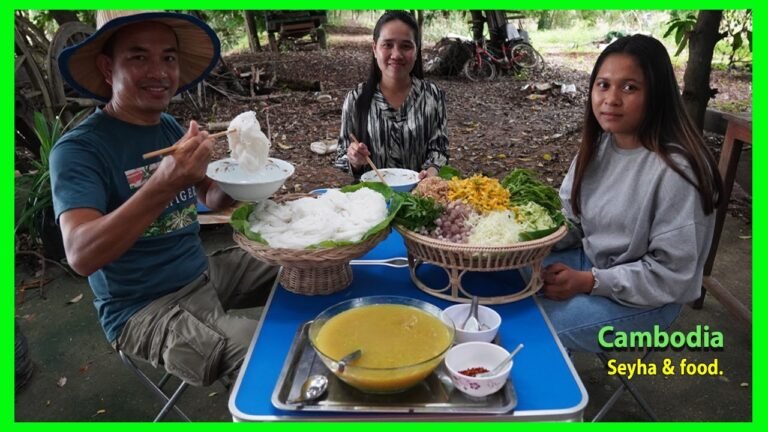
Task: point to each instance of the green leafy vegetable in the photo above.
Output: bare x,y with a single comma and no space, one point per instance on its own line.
417,211
448,172
524,187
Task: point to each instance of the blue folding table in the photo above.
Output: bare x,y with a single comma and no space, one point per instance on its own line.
547,385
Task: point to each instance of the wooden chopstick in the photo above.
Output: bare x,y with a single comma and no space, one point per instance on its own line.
173,148
368,159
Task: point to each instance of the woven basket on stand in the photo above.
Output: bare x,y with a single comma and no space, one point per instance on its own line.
457,259
311,271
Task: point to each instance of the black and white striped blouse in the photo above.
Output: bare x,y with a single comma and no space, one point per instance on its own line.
415,136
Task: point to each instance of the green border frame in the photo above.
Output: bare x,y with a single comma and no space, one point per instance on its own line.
7,410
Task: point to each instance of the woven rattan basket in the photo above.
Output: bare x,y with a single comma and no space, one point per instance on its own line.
457,259
311,271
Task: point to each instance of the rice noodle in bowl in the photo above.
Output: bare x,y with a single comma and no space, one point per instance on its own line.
247,143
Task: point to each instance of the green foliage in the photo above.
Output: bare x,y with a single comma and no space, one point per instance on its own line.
438,24
44,18
736,27
681,27
732,106
735,30
229,26
39,199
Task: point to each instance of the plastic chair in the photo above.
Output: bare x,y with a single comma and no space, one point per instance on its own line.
625,386
168,401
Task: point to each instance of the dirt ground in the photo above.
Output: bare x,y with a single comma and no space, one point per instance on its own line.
493,127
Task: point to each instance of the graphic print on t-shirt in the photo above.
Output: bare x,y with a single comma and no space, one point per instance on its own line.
181,211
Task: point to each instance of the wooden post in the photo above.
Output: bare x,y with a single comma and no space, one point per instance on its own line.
252,31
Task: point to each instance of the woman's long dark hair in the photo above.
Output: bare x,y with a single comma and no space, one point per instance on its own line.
666,122
363,105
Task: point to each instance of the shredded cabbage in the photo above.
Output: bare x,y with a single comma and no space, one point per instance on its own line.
533,217
495,229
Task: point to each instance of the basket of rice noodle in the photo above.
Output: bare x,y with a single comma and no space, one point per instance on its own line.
480,224
314,237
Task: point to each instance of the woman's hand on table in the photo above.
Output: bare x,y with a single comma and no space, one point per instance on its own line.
429,172
562,282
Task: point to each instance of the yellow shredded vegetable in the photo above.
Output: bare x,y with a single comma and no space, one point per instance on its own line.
484,194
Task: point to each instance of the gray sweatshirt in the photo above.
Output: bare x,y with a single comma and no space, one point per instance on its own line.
644,228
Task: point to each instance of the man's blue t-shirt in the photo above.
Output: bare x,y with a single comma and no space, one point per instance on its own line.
99,165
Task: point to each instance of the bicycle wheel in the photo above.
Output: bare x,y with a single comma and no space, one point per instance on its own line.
483,71
525,56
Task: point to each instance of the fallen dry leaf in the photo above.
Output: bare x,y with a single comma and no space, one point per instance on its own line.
61,382
75,299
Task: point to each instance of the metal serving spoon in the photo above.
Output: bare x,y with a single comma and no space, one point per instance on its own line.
501,365
471,323
313,388
349,358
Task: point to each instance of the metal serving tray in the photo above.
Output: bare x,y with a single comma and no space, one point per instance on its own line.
435,394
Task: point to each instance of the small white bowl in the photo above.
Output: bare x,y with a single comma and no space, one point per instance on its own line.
456,314
474,355
399,179
249,186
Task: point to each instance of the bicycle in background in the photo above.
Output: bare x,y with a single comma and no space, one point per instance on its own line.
516,54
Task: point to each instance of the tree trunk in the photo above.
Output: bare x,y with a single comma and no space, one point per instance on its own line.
420,21
251,30
497,27
64,16
701,46
478,24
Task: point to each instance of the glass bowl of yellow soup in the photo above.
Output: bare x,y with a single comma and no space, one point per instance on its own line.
402,341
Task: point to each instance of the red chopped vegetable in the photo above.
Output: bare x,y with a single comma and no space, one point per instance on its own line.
473,371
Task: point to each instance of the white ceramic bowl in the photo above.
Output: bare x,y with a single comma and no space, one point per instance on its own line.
474,355
399,179
458,313
249,186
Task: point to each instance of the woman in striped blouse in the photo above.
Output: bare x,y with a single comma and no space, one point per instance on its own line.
399,118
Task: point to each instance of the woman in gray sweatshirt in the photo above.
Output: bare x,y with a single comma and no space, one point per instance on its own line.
641,194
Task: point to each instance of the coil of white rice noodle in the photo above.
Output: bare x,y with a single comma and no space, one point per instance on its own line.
247,143
335,216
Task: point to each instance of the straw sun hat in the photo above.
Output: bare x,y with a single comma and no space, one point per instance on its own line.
198,53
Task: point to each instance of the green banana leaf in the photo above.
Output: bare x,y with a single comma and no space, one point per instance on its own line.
533,235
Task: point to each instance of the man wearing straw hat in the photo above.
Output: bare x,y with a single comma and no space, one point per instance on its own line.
130,224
